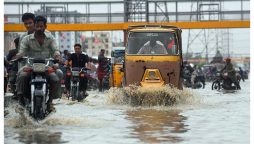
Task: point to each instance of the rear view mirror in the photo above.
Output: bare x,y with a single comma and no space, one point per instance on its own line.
121,70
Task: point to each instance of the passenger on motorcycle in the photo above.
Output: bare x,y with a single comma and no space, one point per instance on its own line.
28,20
41,45
80,60
229,68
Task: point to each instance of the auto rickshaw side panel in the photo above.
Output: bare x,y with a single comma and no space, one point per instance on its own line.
117,75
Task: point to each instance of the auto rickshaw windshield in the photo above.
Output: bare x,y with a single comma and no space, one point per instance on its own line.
152,43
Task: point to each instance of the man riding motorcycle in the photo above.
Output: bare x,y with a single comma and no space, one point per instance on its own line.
80,60
229,68
41,45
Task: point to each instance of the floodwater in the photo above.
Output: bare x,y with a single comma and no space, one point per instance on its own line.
200,116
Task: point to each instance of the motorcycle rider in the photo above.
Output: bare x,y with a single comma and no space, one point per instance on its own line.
229,68
80,60
28,21
42,45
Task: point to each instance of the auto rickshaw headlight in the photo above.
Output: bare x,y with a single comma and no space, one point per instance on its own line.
152,76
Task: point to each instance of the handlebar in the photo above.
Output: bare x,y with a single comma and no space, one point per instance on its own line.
16,60
34,60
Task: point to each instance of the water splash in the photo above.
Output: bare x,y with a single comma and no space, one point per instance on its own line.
143,96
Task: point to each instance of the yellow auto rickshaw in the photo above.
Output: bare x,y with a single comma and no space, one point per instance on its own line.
153,56
117,59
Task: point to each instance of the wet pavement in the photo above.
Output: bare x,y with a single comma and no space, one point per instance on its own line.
199,116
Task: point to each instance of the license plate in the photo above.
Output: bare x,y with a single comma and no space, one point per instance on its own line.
62,85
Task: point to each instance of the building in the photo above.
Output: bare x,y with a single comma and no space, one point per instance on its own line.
100,40
65,40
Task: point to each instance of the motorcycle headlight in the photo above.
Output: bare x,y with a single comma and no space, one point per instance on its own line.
39,67
75,73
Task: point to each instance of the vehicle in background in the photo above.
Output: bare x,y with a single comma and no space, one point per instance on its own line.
116,72
75,74
222,81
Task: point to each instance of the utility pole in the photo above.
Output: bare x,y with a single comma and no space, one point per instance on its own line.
217,42
206,47
228,41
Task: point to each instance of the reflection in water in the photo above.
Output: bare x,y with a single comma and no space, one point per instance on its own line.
29,136
154,126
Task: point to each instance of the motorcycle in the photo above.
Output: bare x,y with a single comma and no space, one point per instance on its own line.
36,104
198,82
222,81
75,74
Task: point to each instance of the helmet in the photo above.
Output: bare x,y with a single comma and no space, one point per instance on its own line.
228,60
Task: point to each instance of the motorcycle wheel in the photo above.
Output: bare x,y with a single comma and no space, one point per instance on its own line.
216,85
38,113
74,93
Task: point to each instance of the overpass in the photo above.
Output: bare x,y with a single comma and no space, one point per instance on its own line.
124,26
118,15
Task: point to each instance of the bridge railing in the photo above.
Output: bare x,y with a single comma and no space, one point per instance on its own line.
115,12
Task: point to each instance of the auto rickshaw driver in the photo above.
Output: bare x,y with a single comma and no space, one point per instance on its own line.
153,46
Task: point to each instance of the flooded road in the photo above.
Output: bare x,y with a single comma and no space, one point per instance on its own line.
209,117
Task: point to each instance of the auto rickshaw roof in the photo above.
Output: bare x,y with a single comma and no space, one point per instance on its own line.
118,48
152,28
